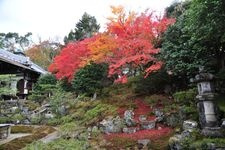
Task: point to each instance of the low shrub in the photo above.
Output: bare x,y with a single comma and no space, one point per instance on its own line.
185,97
17,118
36,120
205,143
31,105
99,112
154,83
154,99
4,119
70,130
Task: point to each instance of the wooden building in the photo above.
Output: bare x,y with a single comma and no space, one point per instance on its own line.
25,71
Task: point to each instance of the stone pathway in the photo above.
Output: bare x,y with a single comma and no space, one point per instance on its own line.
50,137
12,137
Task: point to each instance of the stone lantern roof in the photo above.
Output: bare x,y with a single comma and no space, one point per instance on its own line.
203,76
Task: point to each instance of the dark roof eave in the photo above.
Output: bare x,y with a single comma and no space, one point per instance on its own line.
19,65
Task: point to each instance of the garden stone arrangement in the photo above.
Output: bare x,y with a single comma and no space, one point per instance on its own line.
127,124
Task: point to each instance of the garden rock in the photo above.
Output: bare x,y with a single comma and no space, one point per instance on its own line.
112,125
159,115
142,118
148,124
143,143
26,122
62,110
130,130
94,129
213,132
223,124
129,118
190,125
172,120
175,142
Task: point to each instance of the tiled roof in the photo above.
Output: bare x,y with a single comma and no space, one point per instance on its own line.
21,61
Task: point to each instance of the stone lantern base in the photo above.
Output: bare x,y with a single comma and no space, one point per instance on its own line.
214,132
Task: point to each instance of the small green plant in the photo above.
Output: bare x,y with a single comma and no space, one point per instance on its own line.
36,120
205,143
185,97
154,99
4,119
5,88
17,118
99,111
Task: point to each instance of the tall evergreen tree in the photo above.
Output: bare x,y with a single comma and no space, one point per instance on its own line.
85,28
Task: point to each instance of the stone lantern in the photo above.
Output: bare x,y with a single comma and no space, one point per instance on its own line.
205,97
208,110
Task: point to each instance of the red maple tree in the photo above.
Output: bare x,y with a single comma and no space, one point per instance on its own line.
129,45
71,59
138,38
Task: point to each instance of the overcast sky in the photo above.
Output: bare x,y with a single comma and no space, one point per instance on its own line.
50,19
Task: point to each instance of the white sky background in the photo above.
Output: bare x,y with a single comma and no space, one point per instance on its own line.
53,19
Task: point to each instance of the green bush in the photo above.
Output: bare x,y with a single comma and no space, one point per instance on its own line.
154,83
47,79
90,79
31,105
58,99
205,142
153,99
4,119
17,117
70,130
99,111
44,88
36,120
185,97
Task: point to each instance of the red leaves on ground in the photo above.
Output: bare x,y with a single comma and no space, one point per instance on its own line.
152,134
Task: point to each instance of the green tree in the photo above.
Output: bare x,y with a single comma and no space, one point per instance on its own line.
85,28
197,38
206,23
13,41
90,78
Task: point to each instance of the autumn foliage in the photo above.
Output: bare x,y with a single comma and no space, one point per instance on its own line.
71,58
129,45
